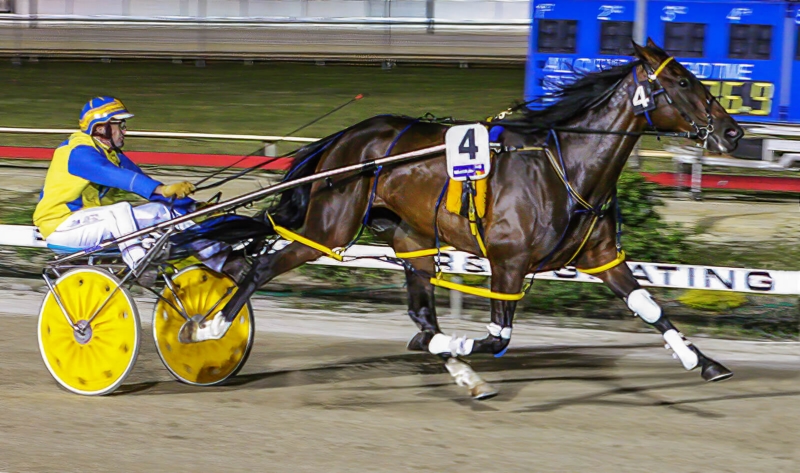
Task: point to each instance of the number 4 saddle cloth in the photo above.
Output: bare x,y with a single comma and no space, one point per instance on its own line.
457,200
458,192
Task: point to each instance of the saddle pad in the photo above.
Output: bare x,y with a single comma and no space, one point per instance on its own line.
458,202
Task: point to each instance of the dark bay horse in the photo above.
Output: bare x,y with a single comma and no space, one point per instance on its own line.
533,221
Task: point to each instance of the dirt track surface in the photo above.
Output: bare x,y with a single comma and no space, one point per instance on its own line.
570,400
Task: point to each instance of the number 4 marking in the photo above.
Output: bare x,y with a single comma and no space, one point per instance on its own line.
640,99
467,145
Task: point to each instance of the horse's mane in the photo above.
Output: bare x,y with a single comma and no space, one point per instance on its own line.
574,98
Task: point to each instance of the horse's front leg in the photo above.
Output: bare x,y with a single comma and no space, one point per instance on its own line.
507,278
621,281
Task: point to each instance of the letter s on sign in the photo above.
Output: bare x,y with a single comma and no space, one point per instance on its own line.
759,281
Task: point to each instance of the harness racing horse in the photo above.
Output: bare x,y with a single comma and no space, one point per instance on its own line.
546,204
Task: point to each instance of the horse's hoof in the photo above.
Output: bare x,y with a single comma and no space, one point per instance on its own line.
713,371
483,391
420,341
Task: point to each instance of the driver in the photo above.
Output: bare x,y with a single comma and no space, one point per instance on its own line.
76,208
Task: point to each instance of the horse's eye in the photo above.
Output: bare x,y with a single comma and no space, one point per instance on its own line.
683,83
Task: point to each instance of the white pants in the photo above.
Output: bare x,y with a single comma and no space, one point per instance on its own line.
89,227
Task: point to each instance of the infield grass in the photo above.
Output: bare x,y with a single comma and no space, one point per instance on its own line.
230,97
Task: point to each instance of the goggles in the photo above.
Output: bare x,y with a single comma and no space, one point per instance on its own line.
122,124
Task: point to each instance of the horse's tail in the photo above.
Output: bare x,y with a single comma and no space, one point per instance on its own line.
291,209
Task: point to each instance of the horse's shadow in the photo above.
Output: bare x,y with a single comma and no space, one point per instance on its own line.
589,364
585,357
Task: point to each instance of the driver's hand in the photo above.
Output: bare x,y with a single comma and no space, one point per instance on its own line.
178,190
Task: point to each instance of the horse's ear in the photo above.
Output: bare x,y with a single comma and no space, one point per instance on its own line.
647,54
638,51
652,45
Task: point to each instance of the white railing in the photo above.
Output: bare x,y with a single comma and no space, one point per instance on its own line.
222,136
236,10
165,134
365,31
676,276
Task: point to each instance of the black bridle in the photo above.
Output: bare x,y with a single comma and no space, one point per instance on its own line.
702,132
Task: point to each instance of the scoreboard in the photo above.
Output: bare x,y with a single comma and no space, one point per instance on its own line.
745,52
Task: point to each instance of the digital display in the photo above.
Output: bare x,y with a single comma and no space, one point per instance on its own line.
743,97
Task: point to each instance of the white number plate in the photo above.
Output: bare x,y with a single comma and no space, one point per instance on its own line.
468,152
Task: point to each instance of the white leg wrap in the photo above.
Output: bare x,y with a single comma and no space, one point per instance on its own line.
441,343
643,305
498,331
678,345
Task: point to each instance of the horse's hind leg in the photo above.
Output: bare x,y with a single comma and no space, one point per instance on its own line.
333,219
421,302
621,281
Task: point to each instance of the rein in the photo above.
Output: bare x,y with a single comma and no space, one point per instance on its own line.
267,160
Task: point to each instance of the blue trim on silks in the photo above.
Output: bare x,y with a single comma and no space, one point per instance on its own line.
495,132
501,352
91,164
76,204
70,249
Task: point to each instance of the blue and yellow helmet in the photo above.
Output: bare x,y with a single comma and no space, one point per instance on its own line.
100,110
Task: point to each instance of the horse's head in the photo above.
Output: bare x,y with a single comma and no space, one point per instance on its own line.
687,105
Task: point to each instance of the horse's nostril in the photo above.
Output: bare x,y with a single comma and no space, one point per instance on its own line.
733,133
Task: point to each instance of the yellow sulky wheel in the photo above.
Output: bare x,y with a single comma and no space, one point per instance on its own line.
93,358
201,291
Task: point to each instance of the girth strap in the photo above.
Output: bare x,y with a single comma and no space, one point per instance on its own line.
477,291
616,262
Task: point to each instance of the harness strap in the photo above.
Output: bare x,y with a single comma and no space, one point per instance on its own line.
660,68
423,253
560,174
365,220
616,262
585,239
287,234
646,113
476,291
474,221
526,148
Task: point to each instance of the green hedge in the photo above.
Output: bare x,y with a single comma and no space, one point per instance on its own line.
645,237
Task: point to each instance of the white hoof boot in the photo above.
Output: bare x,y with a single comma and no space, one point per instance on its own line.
681,350
466,376
214,329
441,343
